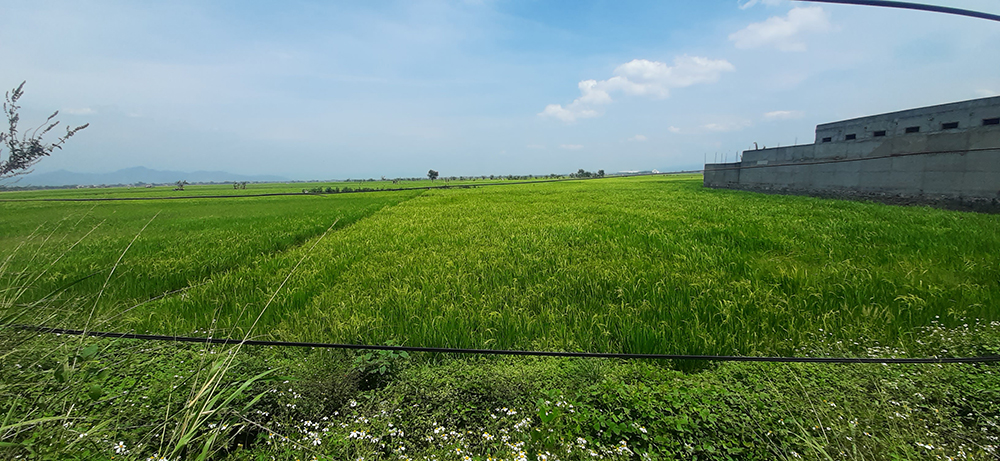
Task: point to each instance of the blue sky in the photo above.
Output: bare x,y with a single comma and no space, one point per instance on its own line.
321,90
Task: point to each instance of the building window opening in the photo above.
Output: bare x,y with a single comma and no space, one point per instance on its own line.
879,133
827,139
851,137
991,121
913,129
949,126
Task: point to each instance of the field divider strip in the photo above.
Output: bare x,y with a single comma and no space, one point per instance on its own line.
451,350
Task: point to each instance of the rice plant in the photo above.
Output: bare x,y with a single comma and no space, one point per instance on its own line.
645,265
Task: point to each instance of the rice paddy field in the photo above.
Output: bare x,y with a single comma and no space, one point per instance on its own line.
250,189
636,265
653,264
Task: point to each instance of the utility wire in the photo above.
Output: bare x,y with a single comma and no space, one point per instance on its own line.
914,6
452,350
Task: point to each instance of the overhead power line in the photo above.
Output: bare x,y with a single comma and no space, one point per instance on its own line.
452,350
914,6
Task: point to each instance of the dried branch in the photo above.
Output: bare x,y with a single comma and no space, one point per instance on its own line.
25,151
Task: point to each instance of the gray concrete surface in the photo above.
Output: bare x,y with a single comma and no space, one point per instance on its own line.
952,151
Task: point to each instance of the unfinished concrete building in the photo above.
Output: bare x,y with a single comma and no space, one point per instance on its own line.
949,152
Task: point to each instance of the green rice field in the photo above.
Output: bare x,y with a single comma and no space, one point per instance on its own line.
251,189
638,265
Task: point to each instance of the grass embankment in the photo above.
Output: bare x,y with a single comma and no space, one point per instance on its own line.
630,265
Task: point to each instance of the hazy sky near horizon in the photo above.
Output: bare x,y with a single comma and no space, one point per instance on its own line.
326,90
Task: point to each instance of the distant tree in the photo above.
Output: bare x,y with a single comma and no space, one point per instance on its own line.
600,173
26,150
432,174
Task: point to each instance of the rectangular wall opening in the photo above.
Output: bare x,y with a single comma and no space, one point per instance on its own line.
850,137
913,129
879,133
991,121
949,126
828,139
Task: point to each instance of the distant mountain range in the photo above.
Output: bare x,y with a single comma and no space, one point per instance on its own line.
134,175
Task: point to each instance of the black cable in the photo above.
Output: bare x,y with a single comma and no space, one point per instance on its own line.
452,350
914,6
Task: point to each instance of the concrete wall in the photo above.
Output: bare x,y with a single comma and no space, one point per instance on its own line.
968,174
966,114
960,162
725,175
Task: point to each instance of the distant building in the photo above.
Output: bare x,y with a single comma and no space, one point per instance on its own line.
948,151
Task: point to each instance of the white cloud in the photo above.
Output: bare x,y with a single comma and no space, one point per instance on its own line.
784,33
721,127
571,146
674,129
986,93
783,115
567,114
748,3
594,92
637,138
639,77
79,111
642,77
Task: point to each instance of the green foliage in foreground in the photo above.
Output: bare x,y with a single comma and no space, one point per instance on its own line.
292,404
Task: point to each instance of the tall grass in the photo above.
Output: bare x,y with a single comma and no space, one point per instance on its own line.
56,402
